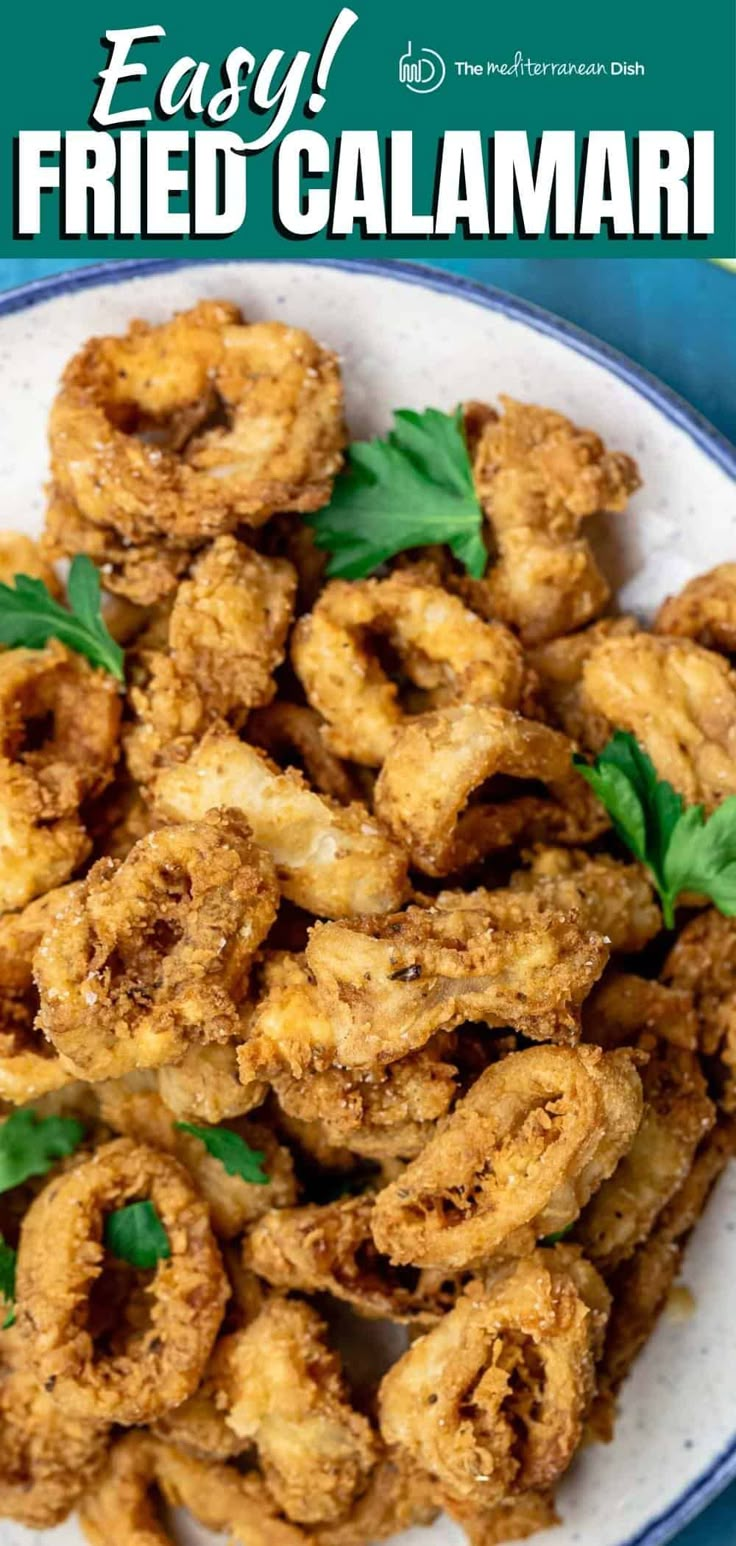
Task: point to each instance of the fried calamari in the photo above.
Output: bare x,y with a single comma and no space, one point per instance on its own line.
154,953
445,651
113,1345
331,859
492,1400
518,1158
436,793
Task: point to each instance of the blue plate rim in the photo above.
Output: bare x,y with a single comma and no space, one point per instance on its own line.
717,1476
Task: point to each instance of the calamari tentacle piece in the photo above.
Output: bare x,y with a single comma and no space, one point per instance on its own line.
679,700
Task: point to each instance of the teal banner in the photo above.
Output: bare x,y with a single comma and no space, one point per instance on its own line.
410,127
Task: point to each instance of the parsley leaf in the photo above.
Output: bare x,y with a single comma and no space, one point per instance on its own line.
682,850
135,1234
410,490
30,616
554,1239
29,1145
234,1154
7,1281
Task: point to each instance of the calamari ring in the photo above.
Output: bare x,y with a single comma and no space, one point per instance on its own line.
280,451
47,1458
517,1160
154,953
440,761
492,1400
156,1359
446,651
370,991
544,588
122,1504
332,860
291,733
59,722
205,1086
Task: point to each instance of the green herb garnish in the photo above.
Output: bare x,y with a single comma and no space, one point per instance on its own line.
683,850
135,1234
554,1239
8,1259
30,616
234,1154
410,490
29,1145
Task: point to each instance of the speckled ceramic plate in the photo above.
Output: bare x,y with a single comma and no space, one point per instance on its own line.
410,336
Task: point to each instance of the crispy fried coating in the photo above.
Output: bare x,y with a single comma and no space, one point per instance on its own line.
435,791
623,1009
279,449
492,1400
517,1160
291,733
382,1112
677,1117
559,689
538,478
542,587
702,962
229,624
225,637
445,650
398,1496
29,1065
329,1249
332,860
118,818
199,1426
205,1085
376,989
315,1451
47,1458
611,898
19,554
514,1519
59,722
534,468
679,700
145,574
154,953
640,1286
704,610
123,1503
152,1357
132,1107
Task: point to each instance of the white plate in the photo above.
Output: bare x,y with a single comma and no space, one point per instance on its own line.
411,337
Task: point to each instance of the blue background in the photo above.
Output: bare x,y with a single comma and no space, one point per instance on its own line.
677,318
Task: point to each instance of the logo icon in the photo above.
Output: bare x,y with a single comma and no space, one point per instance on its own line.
422,73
